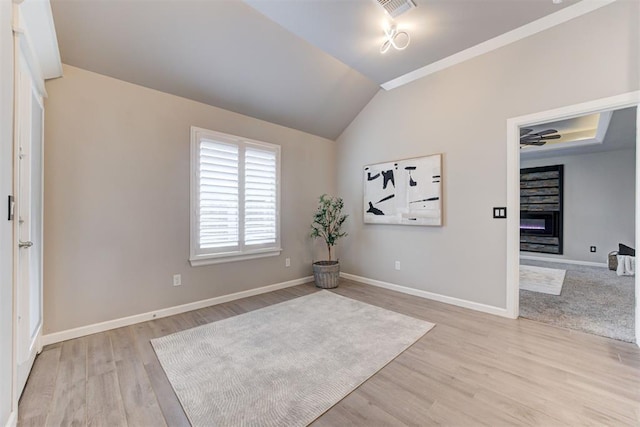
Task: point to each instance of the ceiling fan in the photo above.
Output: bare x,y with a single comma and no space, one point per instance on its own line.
528,137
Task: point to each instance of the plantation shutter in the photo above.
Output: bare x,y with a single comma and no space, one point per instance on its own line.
260,196
218,191
235,198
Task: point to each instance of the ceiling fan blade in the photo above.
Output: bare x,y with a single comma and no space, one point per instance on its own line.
536,143
557,136
546,132
525,131
530,138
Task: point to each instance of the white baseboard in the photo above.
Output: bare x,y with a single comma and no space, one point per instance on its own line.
13,419
565,261
165,312
429,295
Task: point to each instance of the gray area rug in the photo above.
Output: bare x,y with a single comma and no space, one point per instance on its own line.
542,279
282,365
593,300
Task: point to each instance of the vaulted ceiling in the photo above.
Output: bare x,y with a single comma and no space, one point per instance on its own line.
310,65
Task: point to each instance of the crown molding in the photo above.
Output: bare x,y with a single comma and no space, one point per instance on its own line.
568,13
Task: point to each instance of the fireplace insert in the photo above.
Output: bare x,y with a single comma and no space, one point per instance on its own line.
541,209
540,224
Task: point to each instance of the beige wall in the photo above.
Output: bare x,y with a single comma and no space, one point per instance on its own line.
6,227
117,200
598,203
462,112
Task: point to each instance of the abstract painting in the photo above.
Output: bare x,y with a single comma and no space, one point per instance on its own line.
405,192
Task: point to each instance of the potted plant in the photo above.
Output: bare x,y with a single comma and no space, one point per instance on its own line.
327,224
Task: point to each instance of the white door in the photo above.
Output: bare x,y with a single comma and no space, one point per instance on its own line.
28,219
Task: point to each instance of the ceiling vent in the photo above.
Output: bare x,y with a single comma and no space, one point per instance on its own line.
396,8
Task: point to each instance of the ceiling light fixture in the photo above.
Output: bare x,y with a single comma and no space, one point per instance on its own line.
398,39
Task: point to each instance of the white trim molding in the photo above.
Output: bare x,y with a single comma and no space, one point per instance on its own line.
498,311
565,261
30,58
629,99
37,16
570,12
219,259
165,312
12,421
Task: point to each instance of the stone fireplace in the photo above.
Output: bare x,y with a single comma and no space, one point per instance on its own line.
541,209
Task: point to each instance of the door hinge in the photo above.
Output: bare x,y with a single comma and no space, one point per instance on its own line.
10,207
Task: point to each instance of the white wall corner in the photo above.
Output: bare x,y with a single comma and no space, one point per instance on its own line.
513,220
637,281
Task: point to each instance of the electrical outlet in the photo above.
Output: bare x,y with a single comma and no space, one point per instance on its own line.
592,249
177,280
287,262
397,265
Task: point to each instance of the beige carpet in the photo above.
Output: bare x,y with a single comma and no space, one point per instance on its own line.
594,300
282,365
542,279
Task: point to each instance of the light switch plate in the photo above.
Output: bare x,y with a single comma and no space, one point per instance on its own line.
499,212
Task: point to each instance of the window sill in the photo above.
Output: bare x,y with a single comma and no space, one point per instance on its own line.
208,259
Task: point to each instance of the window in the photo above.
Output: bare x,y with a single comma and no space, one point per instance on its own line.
235,198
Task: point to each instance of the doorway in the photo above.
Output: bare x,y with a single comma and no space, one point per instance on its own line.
576,206
631,99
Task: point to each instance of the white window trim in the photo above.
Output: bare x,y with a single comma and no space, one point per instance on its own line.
195,257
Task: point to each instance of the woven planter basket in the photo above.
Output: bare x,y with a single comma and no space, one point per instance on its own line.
326,274
613,260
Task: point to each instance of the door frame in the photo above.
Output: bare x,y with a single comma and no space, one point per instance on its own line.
629,99
26,73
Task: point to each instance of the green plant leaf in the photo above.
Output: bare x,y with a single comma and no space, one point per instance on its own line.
328,221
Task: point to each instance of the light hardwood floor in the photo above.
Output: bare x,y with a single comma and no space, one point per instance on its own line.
471,369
